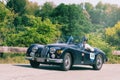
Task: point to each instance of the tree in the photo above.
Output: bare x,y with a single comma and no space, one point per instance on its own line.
18,6
35,31
4,13
6,19
72,19
46,10
113,35
31,8
104,14
89,6
112,16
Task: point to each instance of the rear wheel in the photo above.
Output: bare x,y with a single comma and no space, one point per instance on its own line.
67,62
34,64
98,62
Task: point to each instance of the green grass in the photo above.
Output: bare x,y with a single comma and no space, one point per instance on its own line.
114,59
13,58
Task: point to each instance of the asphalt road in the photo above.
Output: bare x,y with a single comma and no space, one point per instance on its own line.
26,72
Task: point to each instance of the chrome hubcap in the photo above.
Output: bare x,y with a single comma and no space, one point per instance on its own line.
99,61
67,61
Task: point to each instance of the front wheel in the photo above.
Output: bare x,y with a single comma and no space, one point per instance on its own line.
34,64
98,62
67,62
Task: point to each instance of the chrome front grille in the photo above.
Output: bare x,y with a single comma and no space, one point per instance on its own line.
44,51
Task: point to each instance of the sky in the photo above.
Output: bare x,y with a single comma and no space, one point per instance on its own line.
94,2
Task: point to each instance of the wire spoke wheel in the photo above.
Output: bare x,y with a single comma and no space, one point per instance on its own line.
98,62
66,62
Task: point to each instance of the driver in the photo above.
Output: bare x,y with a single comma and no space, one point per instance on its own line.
85,45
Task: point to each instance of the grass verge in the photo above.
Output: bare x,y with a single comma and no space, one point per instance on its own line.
13,58
114,59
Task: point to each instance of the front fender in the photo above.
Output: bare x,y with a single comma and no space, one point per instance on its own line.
66,50
29,50
71,51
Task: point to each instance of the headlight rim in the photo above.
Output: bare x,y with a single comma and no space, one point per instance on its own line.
34,49
52,50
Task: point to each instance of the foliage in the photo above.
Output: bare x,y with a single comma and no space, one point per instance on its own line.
104,14
99,42
5,14
89,6
13,58
31,8
113,35
113,59
6,19
36,31
17,6
46,10
72,19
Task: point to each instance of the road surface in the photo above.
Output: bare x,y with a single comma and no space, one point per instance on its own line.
44,72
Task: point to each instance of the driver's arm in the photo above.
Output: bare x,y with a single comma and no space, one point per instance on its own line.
88,47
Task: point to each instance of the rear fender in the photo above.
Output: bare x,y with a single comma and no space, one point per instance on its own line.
98,51
104,58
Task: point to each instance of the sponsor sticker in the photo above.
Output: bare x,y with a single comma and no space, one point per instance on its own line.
92,56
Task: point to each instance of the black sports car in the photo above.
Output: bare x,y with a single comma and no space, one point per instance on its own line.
65,54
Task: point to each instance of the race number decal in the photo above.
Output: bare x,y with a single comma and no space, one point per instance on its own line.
92,56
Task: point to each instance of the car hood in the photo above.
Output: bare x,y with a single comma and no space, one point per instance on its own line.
58,45
62,45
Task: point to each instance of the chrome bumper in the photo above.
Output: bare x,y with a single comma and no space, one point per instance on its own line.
45,60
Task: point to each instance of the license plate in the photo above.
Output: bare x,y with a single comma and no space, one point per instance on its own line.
40,59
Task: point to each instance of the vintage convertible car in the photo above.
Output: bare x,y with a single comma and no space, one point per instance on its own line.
65,54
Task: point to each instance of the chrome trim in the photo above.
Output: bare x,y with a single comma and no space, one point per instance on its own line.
34,49
55,60
52,50
29,58
46,60
44,51
40,59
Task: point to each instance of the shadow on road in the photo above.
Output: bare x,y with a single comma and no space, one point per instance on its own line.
54,67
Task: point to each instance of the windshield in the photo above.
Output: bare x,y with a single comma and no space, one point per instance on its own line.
69,40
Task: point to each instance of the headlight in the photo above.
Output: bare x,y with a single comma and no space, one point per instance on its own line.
52,50
34,49
59,51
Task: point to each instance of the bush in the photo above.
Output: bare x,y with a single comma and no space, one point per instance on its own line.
113,35
99,42
36,31
114,59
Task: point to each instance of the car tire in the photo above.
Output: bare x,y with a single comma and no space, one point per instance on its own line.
98,62
34,64
67,62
